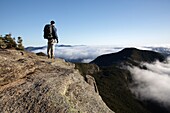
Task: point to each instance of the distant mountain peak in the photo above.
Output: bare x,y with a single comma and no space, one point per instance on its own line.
129,55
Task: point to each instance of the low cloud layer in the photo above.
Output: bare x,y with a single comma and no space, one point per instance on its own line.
153,83
82,53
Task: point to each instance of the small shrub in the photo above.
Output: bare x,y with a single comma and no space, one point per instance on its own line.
20,45
7,42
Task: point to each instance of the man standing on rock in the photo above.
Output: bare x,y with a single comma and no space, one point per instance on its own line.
50,33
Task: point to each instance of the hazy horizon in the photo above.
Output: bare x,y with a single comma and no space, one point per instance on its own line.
84,53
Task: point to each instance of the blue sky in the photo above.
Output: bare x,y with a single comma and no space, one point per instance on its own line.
88,22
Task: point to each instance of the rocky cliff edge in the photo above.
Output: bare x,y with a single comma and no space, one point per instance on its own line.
33,84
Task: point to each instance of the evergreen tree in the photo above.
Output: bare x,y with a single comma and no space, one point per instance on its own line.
20,45
10,42
2,42
7,42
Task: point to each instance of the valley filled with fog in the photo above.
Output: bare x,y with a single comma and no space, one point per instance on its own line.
85,54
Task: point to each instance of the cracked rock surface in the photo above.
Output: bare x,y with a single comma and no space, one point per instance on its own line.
35,84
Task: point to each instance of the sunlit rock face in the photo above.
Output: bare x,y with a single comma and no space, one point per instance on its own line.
31,83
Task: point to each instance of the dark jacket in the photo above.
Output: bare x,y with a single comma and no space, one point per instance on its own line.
54,33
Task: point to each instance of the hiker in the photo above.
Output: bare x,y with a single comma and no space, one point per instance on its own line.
50,33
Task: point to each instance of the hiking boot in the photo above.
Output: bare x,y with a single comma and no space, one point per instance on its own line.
52,57
48,56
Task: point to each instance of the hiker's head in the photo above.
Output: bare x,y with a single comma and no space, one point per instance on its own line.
52,22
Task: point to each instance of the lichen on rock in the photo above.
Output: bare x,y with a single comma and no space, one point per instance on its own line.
33,84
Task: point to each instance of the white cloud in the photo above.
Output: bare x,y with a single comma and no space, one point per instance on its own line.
85,53
153,83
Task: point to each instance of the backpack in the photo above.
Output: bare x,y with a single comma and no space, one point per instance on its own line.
47,31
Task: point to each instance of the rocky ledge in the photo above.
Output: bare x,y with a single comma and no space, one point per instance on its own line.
33,84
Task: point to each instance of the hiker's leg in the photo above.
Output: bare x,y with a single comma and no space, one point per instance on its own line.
52,50
48,50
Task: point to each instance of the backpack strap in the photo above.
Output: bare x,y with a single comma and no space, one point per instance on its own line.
51,30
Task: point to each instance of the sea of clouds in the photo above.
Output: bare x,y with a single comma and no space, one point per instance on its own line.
152,83
83,53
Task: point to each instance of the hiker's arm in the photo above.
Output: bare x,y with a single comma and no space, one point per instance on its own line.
55,33
56,36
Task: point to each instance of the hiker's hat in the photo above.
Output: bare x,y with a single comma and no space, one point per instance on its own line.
52,22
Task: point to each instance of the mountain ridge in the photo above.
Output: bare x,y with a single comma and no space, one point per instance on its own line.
127,55
89,53
114,79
